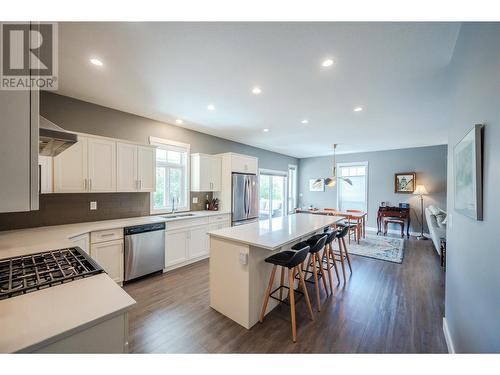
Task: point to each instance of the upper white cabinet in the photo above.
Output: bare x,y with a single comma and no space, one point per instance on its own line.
243,164
101,165
146,168
135,167
205,172
70,168
19,150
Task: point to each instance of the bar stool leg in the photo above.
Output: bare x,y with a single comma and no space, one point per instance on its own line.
268,294
341,240
292,303
322,271
304,290
330,253
282,281
316,285
328,269
347,256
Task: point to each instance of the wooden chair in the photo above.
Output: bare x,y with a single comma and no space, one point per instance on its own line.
394,220
354,227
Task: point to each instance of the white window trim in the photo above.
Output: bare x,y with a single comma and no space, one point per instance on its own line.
185,146
295,183
364,163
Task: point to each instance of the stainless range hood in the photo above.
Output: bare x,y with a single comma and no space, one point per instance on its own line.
54,139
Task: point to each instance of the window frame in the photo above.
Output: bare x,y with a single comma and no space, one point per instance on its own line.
351,164
167,144
290,210
274,172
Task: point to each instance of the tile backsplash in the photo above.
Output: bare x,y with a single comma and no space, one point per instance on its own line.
57,209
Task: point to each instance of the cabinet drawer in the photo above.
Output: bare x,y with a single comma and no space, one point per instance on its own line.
106,235
218,218
176,224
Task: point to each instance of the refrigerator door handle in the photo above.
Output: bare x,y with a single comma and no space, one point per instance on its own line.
245,198
250,200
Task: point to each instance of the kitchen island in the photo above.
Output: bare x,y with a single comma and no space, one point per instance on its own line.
238,273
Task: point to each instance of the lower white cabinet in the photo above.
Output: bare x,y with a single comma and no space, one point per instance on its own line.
109,255
189,243
82,241
176,247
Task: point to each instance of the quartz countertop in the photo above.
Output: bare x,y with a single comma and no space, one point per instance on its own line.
274,233
34,320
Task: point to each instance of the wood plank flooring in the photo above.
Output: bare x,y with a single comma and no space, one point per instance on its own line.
384,308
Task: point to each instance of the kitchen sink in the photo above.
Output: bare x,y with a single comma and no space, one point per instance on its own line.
173,216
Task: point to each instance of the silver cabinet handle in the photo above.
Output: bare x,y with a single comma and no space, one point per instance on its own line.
90,184
85,184
140,184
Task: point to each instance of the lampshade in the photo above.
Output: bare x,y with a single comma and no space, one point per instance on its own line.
330,182
420,190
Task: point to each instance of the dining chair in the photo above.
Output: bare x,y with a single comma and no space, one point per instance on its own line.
354,226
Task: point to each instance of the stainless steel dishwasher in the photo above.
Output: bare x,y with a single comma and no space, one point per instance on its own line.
144,250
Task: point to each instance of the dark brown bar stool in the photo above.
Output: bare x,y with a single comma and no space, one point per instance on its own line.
293,261
342,253
327,265
316,243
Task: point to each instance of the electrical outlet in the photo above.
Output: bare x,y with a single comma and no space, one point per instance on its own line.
93,205
195,200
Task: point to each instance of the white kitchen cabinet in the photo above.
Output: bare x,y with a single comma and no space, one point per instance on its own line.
146,168
19,119
126,167
101,165
70,168
109,255
135,167
82,241
176,247
45,174
205,172
198,242
243,164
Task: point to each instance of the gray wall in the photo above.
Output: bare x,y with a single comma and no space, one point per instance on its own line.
473,255
428,162
76,115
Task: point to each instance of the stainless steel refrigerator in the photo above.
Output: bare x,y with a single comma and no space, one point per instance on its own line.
245,199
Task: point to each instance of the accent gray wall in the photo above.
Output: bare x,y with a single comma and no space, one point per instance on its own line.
472,302
80,116
428,162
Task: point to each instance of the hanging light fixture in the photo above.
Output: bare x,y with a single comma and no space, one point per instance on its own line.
332,181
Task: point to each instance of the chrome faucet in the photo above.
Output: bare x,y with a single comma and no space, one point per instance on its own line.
173,205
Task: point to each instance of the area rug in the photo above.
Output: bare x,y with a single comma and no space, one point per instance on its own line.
378,247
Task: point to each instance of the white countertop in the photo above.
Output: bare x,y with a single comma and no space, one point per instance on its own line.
28,241
31,321
39,318
274,233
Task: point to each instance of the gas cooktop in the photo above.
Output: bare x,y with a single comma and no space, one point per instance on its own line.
29,273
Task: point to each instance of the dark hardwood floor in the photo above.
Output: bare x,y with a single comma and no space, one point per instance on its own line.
384,308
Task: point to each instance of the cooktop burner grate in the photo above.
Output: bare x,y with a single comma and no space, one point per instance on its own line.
28,273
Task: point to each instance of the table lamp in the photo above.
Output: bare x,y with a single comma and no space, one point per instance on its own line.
421,191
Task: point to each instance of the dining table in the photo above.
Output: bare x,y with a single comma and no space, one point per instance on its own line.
358,217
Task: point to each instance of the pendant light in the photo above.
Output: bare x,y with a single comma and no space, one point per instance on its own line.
332,181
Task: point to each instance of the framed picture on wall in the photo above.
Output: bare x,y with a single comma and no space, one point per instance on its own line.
404,182
467,167
316,184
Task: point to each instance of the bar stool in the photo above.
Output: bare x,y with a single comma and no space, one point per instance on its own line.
331,235
316,243
342,253
293,261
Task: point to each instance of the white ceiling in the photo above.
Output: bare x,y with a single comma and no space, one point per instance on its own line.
164,71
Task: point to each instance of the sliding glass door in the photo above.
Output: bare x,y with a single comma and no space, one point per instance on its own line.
272,186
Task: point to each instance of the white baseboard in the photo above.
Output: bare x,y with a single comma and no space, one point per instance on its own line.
395,231
447,337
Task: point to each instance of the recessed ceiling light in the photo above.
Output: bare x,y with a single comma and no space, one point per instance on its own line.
96,62
211,107
256,90
305,121
358,109
179,121
265,130
326,63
